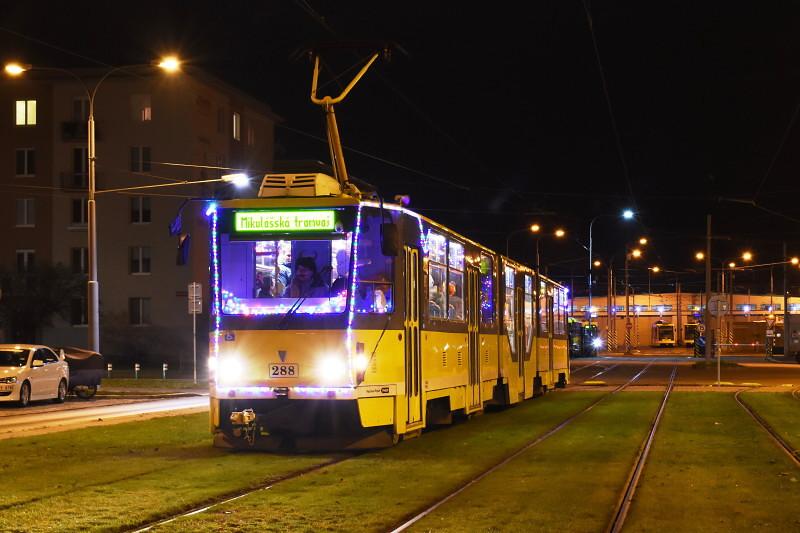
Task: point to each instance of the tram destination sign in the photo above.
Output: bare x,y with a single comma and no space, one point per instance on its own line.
284,221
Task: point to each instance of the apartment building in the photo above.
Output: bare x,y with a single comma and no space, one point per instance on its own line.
151,128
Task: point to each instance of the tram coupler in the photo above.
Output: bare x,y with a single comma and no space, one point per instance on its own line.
244,425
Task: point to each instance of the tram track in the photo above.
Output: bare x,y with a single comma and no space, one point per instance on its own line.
612,367
779,441
626,498
236,495
584,367
419,516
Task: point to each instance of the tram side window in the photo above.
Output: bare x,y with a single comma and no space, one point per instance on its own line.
509,308
559,327
455,281
529,312
543,310
487,290
445,278
375,275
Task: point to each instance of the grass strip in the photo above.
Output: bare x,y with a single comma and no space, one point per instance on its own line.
378,490
570,482
113,477
108,385
780,410
712,468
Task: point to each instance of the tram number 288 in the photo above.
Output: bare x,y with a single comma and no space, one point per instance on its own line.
283,370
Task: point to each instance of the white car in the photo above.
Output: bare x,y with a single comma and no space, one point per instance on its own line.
32,372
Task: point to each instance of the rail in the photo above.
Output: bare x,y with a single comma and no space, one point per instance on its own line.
624,504
416,518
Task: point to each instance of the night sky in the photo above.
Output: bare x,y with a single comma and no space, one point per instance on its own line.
493,119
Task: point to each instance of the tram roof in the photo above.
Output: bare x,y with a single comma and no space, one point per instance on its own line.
347,201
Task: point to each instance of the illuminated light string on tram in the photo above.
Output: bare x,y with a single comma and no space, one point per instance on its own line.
212,210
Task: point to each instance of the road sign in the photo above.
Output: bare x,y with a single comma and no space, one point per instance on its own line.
718,305
195,294
701,328
196,307
770,322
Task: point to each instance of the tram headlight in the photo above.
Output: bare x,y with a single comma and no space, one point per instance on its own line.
229,369
331,367
360,362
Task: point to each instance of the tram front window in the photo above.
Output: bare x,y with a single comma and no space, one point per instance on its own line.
260,277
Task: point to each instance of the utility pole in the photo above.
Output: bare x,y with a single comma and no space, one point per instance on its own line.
628,324
610,315
707,312
786,326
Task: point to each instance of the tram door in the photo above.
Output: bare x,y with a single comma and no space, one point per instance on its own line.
412,341
520,328
550,326
473,319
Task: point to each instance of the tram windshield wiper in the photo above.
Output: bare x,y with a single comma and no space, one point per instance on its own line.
291,312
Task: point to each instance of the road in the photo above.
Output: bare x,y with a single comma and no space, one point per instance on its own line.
45,418
736,371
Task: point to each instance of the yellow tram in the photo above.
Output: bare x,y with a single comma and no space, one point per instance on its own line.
339,321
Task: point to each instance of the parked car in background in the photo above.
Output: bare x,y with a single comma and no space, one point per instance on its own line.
31,372
86,369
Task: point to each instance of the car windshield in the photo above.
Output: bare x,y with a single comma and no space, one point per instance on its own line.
13,357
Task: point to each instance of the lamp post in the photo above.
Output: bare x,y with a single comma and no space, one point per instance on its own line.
627,215
168,64
634,253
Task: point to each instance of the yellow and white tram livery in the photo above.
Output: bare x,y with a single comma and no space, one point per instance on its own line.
339,322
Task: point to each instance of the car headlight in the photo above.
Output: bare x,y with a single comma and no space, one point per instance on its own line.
10,379
597,342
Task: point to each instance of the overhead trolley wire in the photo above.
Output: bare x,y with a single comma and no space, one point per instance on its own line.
617,139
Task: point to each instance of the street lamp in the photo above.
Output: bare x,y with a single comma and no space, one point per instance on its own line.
168,64
533,228
747,256
699,256
627,214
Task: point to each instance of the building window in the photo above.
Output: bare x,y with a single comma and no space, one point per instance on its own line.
26,162
140,259
26,113
141,108
237,126
140,159
26,213
140,210
78,212
80,260
251,136
78,315
146,114
139,311
25,260
80,168
80,109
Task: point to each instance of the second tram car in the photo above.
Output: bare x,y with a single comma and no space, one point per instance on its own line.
340,322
